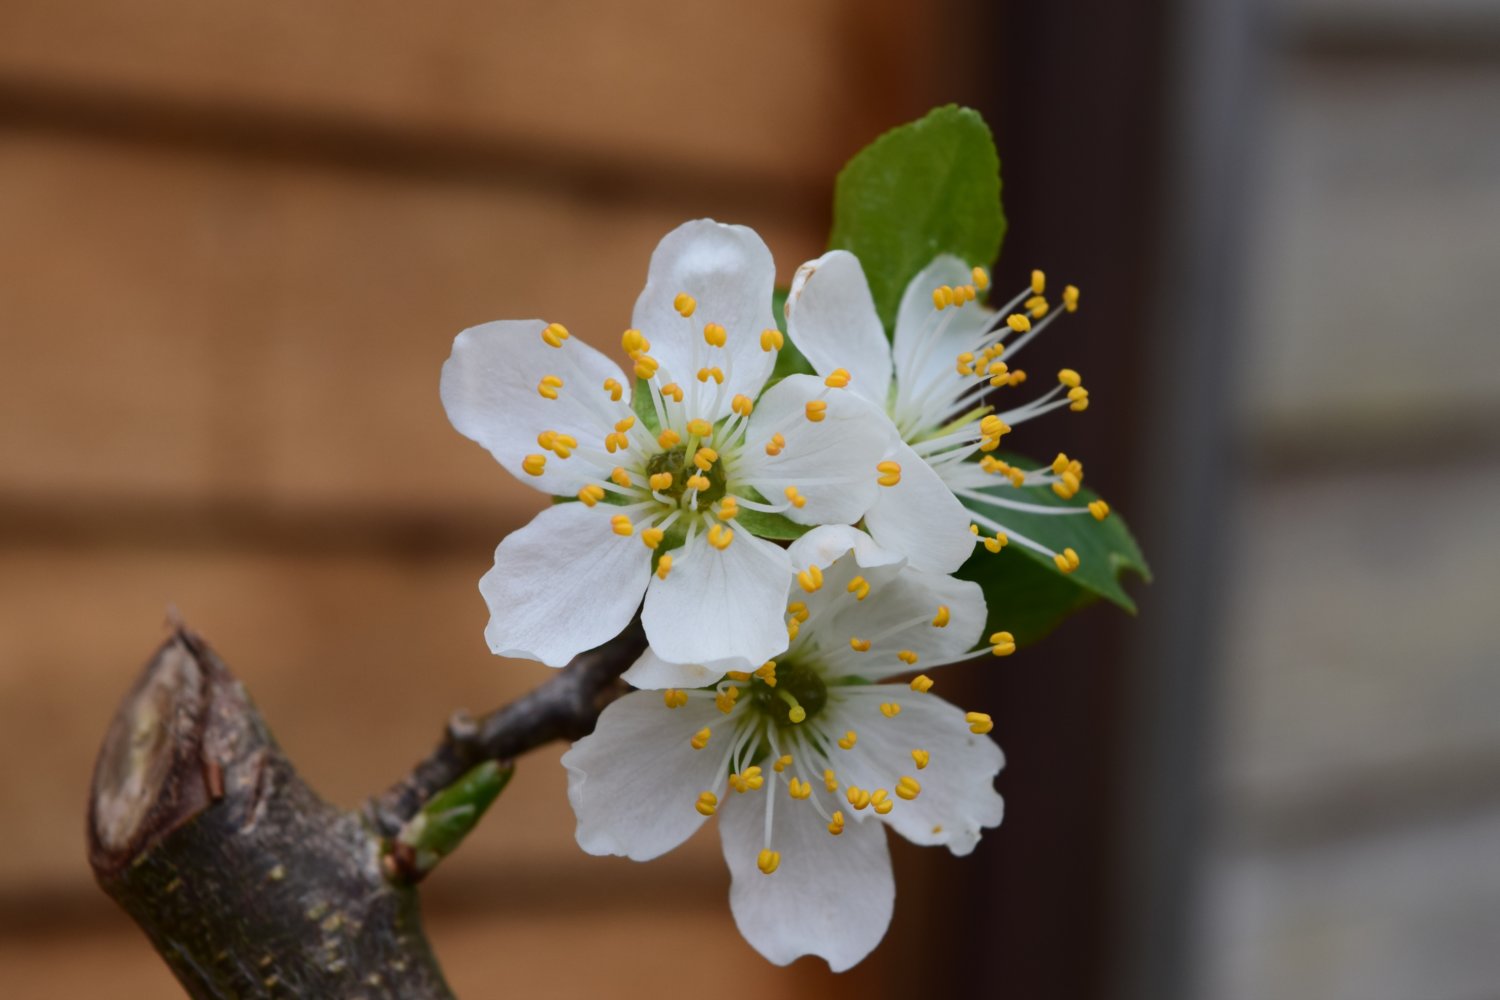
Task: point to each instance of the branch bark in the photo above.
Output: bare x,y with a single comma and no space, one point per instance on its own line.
246,881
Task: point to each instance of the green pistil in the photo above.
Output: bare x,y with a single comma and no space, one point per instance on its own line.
679,464
797,686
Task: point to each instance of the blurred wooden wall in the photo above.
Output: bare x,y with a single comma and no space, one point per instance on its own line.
235,243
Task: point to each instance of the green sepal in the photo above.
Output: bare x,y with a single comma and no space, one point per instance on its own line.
447,818
928,187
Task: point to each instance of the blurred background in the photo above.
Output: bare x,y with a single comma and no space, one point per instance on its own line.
237,239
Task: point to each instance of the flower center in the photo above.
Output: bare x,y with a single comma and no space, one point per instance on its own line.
797,684
677,463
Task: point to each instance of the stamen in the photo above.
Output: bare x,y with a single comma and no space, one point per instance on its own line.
907,657
890,709
859,645
741,404
981,278
615,389
798,610
685,304
908,788
705,458
715,373
941,619
635,343
719,536
795,497
548,386
774,446
715,335
621,525
816,410
660,481
651,537
798,788
858,797
836,827
1099,509
839,379
726,698
591,494
674,698
700,427
697,482
664,566
859,587
1018,322
646,366
782,763
729,509
811,579
1067,560
534,464
881,800
668,439
849,739
771,340
748,780
672,390
554,335
768,860
921,683
620,477
1003,643
979,723
1038,282
707,804
890,473
830,780
921,758
1070,298
700,738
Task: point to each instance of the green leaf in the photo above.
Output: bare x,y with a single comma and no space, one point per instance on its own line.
645,409
921,189
449,815
765,525
1027,594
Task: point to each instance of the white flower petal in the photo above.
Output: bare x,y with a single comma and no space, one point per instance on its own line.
633,783
830,316
920,517
824,545
910,599
831,896
729,270
957,798
831,461
720,606
563,584
917,321
489,388
652,672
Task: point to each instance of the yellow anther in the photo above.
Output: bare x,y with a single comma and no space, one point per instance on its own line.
830,780
940,620
615,389
674,698
791,629
997,543
798,610
907,657
668,438
817,409
685,304
1018,322
768,861
705,458
859,587
700,738
624,425
534,464
1070,378
1080,398
921,683
937,829
645,367
634,342
697,482
849,739
993,426
908,787
741,404
1038,282
782,763
707,804
890,473
651,537
838,380
1002,643
767,672
1099,509
858,797
672,390
748,780
700,427
548,386
890,709
591,494
797,714
562,445
729,509
554,335
981,278
836,827
1072,558
621,525
719,536
664,566
920,758
979,723
1037,307
726,698
811,579
660,481
616,441
963,294
859,645
715,335
880,799
1070,298
799,789
738,675
620,477
964,364
774,446
714,372
795,498
771,340
974,528
939,299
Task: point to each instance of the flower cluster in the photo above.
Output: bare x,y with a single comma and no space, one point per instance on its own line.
764,693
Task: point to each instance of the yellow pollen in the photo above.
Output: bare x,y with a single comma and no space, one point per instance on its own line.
620,477
1080,398
719,536
997,543
941,619
798,610
768,861
1070,298
554,335
921,683
616,441
700,427
673,390
614,388
799,789
534,464
1099,509
741,404
771,340
634,342
858,797
700,738
849,739
668,438
591,494
1003,643
621,525
993,426
624,425
791,629
908,788
1018,322
817,409
729,509
881,800
890,709
674,698
664,566
782,763
859,645
937,829
726,698
548,386
836,827
939,300
715,335
748,780
645,367
1069,378
811,579
707,804
697,482
767,672
979,723
685,304
838,380
981,278
859,587
774,446
1038,282
890,473
651,537
964,364
907,656
797,714
705,458
795,497
830,780
1037,307
660,481
715,373
920,758
737,675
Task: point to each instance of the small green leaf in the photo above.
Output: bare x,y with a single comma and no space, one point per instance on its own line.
448,817
766,525
644,407
921,189
1026,592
